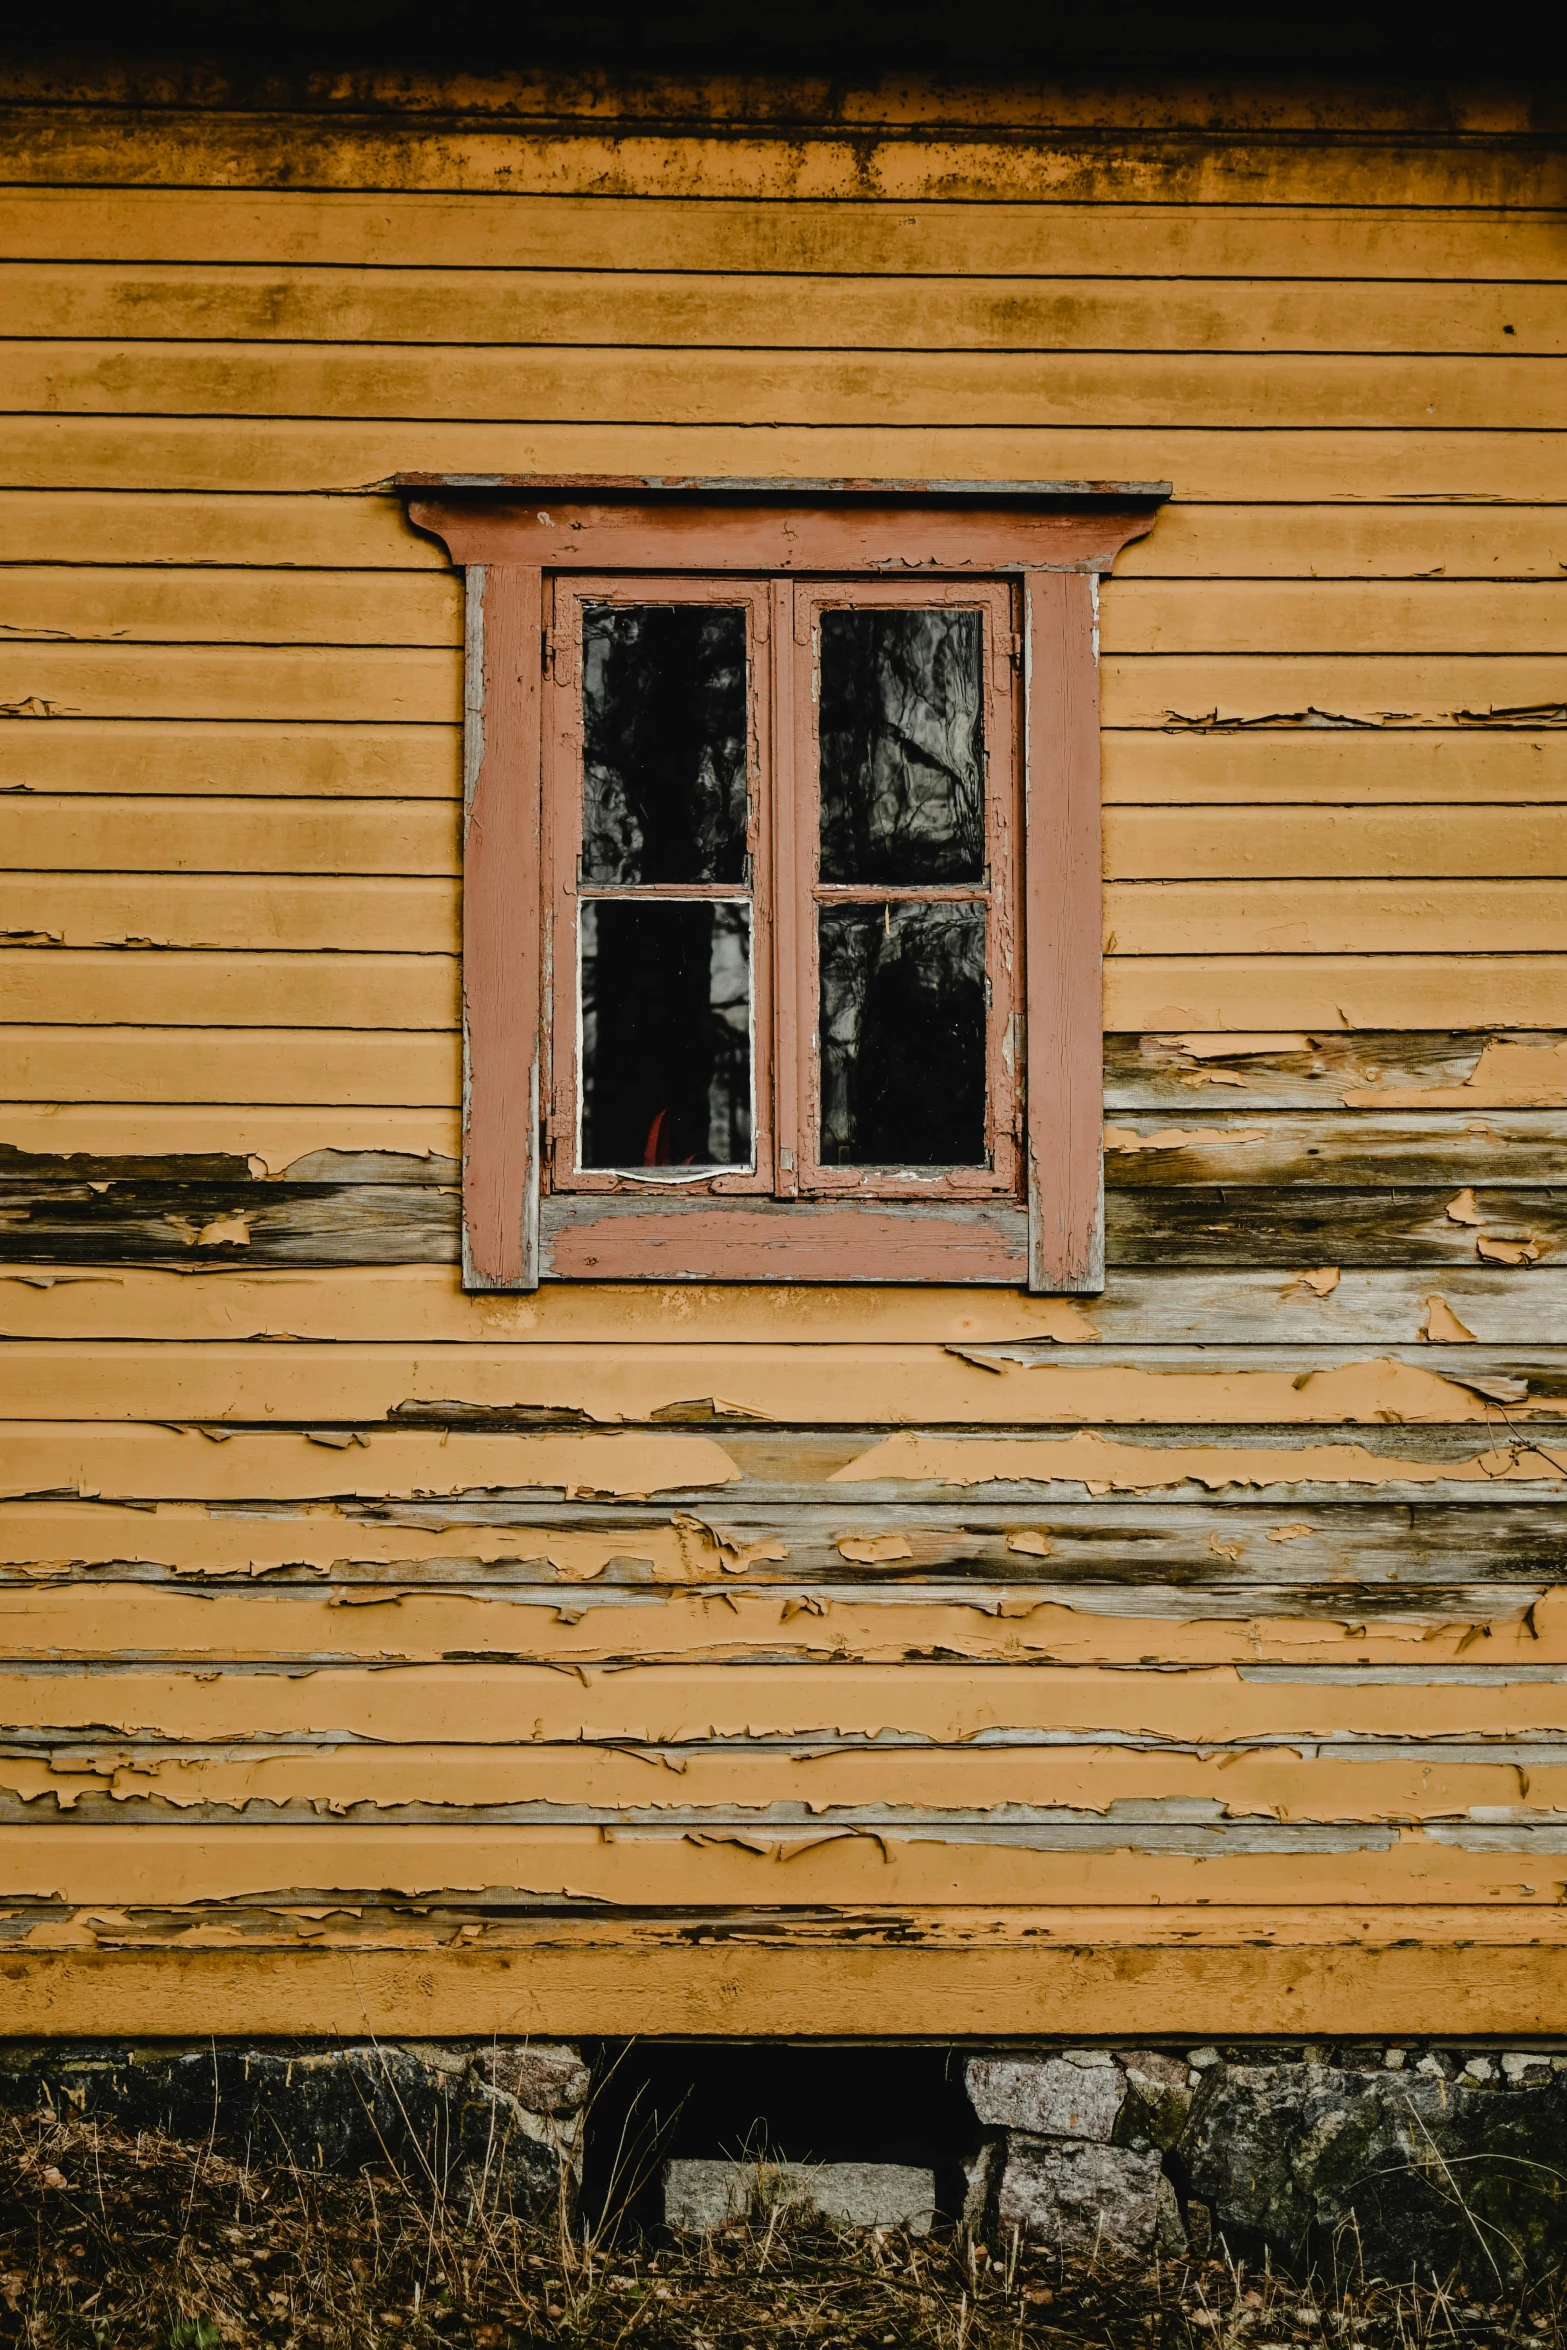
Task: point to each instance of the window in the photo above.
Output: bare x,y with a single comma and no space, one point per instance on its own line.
781,875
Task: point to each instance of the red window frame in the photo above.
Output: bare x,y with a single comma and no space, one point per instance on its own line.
1029,555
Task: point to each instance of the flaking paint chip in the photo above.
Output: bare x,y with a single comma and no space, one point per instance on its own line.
1441,1325
869,1550
1462,1210
1030,1542
1501,1248
1319,1281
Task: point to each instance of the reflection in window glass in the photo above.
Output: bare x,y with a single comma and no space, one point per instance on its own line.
903,1035
664,743
902,751
666,1033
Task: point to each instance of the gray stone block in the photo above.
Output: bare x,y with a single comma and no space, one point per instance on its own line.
700,2196
544,2075
1158,2100
1080,2196
1051,2097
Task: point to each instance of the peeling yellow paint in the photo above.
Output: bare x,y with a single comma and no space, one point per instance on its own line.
1104,1466
1243,1044
1506,1076
1320,1281
341,1391
1410,1696
1496,1248
164,1464
870,1549
1240,1781
86,1864
1126,1141
1442,1326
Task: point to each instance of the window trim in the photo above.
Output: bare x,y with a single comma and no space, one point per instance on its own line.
564,894
511,534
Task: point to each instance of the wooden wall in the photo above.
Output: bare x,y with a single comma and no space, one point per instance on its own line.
910,1661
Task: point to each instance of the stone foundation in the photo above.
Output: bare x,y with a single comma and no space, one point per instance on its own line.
501,2118
1433,2157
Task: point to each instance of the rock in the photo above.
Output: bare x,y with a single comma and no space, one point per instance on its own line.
342,2108
1048,2096
1284,2153
1158,2100
1080,2196
1169,2227
1153,2065
544,2075
981,2178
701,2196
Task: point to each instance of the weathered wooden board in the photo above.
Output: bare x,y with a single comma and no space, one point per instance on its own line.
346,228
1060,1864
805,1705
161,833
659,309
293,1067
424,1304
1368,391
950,157
1021,1383
156,603
988,1626
786,1970
261,1140
1452,616
1415,1069
293,990
1303,463
1327,767
1377,689
1236,1226
1178,917
712,1790
371,531
161,603
298,913
315,683
158,833
296,994
1221,1556
1390,1463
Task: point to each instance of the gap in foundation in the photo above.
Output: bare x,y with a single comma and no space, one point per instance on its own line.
656,2101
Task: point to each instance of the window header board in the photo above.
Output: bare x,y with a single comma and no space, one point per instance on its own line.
590,523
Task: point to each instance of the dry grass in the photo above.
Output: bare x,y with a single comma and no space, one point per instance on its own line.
109,2242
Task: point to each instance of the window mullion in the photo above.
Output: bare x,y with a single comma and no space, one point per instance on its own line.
790,909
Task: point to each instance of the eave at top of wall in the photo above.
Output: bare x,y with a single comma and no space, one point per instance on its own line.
1268,99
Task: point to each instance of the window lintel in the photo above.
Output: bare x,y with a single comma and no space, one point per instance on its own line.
610,522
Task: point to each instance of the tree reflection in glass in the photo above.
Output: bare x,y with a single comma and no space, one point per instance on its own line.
666,1033
902,748
903,1035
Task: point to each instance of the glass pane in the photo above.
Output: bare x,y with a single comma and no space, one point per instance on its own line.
664,742
902,747
666,1034
903,1036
